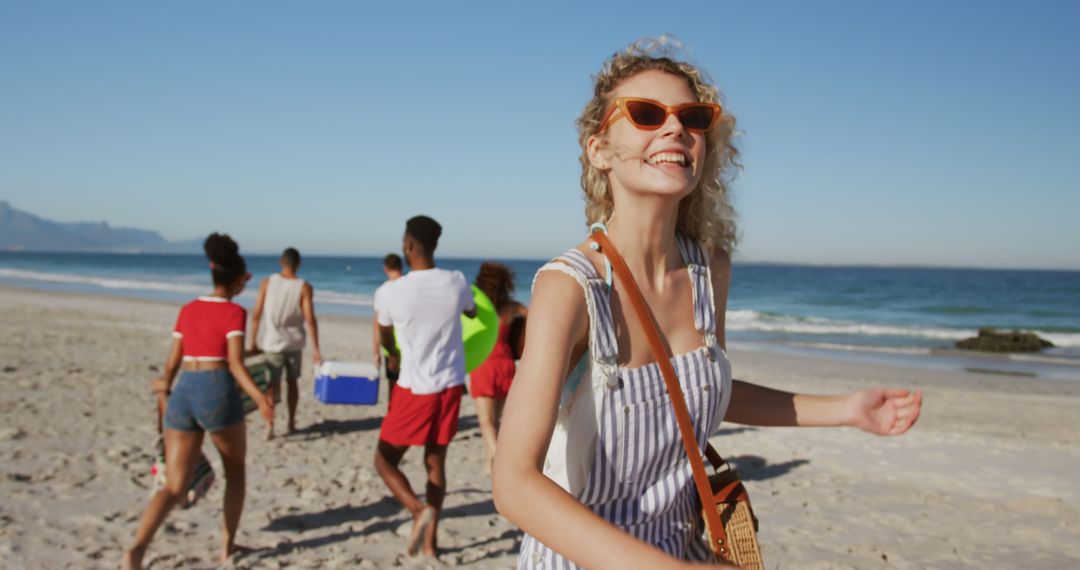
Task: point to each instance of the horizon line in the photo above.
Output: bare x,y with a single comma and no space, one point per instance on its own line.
845,265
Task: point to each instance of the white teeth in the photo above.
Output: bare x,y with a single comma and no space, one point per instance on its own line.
669,157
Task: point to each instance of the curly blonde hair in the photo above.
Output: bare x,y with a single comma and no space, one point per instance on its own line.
706,214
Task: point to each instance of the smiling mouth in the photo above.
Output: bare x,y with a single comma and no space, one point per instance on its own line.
662,158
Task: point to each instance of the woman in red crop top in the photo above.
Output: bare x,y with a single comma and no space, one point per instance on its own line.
208,343
490,382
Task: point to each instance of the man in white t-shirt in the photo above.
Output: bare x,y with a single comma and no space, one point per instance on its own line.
424,307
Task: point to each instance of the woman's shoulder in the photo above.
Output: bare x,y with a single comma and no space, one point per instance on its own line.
580,258
719,258
567,272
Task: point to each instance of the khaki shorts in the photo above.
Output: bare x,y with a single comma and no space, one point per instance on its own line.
285,364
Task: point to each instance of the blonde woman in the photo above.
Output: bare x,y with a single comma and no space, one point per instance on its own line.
590,464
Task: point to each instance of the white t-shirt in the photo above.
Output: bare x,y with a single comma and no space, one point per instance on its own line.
425,307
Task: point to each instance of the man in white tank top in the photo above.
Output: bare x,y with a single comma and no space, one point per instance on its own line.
285,304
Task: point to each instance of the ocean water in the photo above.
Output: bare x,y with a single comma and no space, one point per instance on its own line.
875,313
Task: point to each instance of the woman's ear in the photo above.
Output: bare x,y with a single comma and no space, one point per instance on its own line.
598,156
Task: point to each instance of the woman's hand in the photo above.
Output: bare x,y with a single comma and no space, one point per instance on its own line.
266,410
159,385
884,411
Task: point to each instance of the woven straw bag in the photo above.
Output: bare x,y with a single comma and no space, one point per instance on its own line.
738,525
729,521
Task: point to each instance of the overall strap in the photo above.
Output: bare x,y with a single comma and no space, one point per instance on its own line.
697,265
671,381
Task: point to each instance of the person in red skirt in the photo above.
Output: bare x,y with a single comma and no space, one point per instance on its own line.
489,383
423,308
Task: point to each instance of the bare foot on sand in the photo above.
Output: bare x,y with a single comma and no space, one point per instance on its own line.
228,552
421,522
131,560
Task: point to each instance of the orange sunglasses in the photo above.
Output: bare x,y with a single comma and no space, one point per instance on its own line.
649,115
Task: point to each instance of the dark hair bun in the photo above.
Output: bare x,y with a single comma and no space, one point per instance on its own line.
220,248
224,255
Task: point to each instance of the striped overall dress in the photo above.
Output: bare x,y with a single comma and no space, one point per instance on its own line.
636,476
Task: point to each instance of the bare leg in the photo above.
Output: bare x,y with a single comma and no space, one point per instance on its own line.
387,458
181,458
486,416
293,397
278,366
231,443
499,405
435,462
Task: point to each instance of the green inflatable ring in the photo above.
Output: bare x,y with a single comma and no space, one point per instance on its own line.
479,333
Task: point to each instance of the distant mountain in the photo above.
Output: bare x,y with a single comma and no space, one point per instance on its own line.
22,231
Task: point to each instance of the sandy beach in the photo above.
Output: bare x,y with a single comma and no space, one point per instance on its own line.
987,479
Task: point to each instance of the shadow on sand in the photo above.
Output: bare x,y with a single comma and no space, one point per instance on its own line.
329,427
380,516
468,422
756,468
514,534
384,507
732,431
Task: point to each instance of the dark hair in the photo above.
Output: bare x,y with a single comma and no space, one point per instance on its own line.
424,230
226,265
497,282
291,257
392,261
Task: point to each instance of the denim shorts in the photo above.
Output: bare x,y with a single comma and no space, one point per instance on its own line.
207,400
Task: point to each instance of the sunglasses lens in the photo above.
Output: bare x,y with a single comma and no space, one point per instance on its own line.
697,117
645,114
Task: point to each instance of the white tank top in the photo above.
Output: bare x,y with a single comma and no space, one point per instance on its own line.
282,328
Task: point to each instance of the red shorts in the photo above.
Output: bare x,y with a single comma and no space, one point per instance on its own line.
423,419
492,378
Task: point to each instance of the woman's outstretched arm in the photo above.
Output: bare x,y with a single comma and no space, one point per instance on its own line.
558,323
882,411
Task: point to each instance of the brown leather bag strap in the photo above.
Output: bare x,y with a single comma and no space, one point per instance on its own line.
714,457
663,358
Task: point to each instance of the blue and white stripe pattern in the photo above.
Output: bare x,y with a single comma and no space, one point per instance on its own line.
640,479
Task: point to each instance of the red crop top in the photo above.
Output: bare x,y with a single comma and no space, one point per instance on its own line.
205,325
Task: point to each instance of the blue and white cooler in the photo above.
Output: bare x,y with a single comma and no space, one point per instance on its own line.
354,383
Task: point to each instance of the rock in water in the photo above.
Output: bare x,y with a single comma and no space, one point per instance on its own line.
990,340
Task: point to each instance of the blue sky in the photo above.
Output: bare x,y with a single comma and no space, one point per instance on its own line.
874,132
